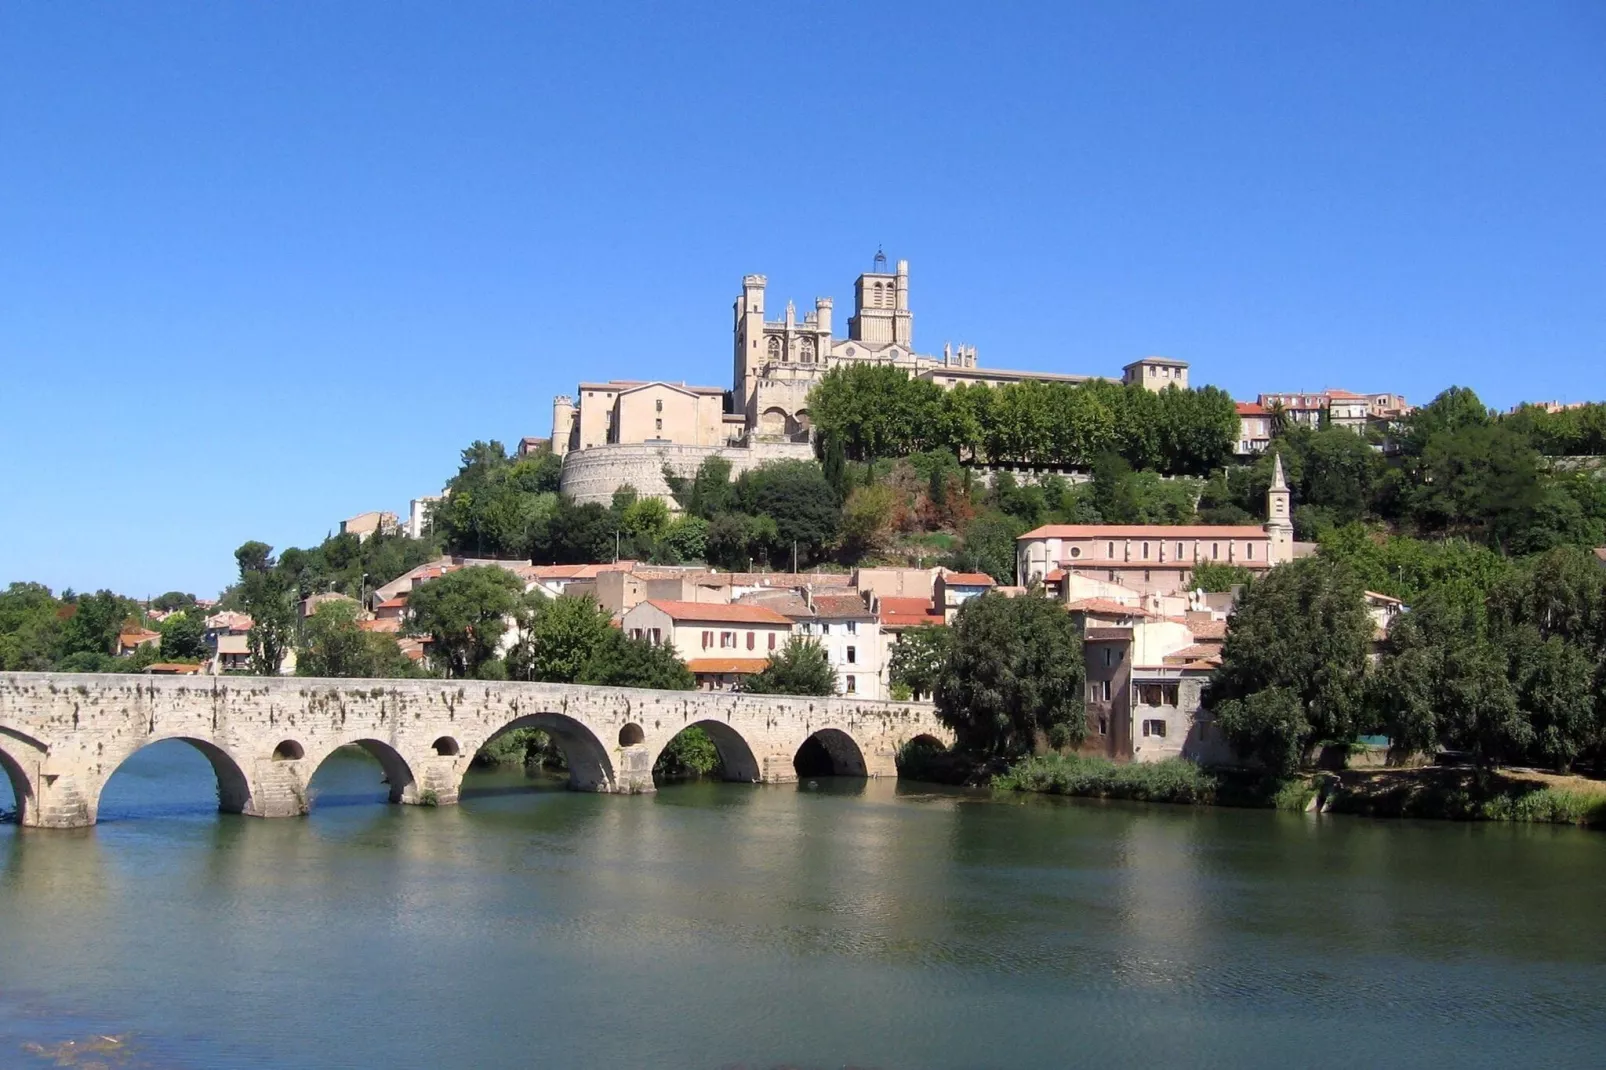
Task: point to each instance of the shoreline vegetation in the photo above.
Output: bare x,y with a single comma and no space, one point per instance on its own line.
1430,792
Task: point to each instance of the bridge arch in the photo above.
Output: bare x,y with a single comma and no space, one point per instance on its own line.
233,785
736,758
830,752
17,777
590,766
397,769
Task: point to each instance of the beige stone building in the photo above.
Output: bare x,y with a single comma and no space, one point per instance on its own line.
718,642
1158,558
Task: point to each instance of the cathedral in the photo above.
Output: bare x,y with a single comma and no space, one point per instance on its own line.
777,362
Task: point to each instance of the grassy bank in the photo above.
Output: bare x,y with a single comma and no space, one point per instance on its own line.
1445,794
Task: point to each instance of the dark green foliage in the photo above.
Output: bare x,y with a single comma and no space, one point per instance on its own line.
1217,578
464,613
184,636
333,645
619,661
266,593
1174,780
690,754
877,412
990,546
803,507
173,600
497,505
798,668
1294,664
1012,682
917,659
558,638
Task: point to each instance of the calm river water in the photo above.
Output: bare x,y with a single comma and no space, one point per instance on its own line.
857,924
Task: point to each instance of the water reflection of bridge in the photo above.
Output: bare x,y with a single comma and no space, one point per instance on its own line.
62,736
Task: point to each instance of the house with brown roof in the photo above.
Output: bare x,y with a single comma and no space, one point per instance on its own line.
951,590
131,639
700,631
1254,428
851,635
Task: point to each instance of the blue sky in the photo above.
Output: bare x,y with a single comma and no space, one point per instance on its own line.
263,266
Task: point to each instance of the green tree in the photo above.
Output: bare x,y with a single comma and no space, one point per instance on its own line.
989,546
334,644
796,498
1012,682
465,614
867,519
918,657
172,601
1303,628
1216,578
30,626
685,539
619,661
799,668
183,636
558,638
265,593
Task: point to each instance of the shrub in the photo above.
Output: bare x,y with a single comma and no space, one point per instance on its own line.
1175,780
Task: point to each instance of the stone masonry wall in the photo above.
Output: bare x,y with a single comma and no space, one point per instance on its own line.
593,475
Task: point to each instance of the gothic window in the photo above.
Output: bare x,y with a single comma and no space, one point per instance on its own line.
806,354
775,349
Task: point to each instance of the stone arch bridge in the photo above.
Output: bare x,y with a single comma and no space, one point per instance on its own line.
63,735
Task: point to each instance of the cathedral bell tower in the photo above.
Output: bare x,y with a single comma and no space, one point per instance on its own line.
881,305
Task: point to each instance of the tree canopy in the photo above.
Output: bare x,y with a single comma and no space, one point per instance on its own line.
798,668
1012,681
1294,665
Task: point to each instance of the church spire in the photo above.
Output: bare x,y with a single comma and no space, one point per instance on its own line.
1277,481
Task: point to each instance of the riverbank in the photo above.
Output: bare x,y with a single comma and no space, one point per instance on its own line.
1453,794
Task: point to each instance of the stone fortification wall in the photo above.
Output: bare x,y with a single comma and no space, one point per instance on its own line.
592,475
63,735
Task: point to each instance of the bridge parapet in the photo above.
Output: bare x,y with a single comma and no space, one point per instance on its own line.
63,735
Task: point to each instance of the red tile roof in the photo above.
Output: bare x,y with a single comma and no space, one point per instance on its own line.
718,612
381,624
727,665
399,602
1056,576
1250,408
1146,531
1208,629
840,606
172,668
1104,607
1196,652
969,579
907,612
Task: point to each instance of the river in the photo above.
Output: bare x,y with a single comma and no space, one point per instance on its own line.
860,924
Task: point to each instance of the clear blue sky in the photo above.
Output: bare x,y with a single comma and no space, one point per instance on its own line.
263,266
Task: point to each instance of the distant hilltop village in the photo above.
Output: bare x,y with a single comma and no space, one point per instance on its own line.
627,431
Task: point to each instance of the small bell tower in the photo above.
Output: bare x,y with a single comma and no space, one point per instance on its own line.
1279,520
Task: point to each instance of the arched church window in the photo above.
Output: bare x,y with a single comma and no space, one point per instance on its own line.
807,352
775,349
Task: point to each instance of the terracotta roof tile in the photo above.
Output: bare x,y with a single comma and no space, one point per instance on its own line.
382,624
1146,531
1208,629
734,613
727,665
969,579
907,612
1104,607
840,607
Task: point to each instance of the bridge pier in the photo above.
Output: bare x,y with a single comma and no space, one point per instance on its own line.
633,770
